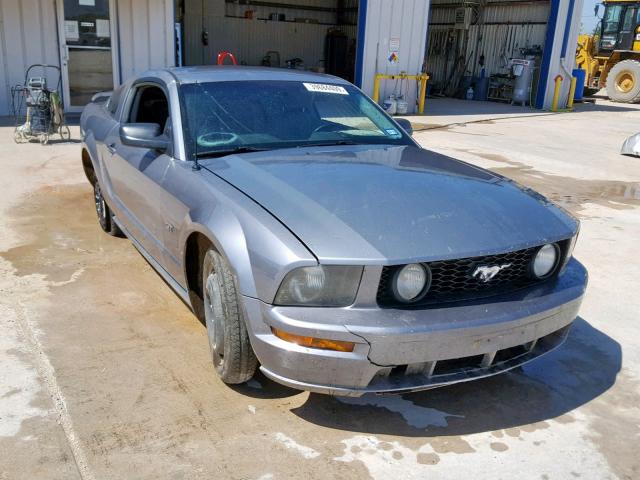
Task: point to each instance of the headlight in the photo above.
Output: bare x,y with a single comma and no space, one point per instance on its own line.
546,260
411,282
320,286
571,243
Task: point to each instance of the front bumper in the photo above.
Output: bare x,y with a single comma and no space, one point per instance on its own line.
407,350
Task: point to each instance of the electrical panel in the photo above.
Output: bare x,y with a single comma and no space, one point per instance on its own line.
463,18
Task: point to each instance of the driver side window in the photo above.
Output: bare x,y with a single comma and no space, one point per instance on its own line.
149,105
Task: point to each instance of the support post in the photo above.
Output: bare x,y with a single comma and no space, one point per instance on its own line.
423,92
376,87
572,92
556,93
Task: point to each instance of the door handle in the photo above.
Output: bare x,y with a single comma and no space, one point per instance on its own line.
111,147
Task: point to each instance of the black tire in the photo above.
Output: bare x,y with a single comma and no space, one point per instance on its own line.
590,92
623,82
231,349
105,217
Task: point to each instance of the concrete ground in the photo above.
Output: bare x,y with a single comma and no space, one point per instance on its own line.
105,374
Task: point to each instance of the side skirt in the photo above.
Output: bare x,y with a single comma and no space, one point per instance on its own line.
175,286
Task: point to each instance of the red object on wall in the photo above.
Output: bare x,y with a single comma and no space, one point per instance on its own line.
225,54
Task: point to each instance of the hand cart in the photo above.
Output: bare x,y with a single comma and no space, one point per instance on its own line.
37,110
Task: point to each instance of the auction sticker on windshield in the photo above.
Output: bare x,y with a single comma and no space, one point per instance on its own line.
325,88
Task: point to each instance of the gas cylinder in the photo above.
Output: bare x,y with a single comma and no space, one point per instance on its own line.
390,105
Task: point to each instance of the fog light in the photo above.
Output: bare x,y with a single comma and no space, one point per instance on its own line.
546,260
322,343
411,282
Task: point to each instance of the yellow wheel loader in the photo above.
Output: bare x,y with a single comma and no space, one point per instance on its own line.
611,58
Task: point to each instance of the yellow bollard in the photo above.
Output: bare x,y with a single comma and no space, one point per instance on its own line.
376,87
556,94
422,78
423,93
572,92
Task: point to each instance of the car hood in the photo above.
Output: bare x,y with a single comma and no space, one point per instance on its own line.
381,204
631,146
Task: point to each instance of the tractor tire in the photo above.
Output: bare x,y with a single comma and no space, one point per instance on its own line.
623,82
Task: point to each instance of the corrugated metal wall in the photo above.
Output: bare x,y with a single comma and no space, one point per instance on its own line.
501,31
250,39
401,23
146,35
28,35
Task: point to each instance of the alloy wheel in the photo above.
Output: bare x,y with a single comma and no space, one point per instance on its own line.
215,315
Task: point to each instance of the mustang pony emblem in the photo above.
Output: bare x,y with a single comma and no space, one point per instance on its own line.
485,273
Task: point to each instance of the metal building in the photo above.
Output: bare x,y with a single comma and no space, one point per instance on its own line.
100,43
97,43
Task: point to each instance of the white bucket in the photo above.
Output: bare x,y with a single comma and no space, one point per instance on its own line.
402,106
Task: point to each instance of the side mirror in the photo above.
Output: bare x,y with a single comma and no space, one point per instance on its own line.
144,135
405,124
596,9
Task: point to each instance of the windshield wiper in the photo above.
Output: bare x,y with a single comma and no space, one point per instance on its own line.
329,143
229,151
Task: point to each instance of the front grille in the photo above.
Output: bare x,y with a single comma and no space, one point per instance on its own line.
452,280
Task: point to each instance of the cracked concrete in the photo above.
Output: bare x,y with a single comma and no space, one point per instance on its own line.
104,373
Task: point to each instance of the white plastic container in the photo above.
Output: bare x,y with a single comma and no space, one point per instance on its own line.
390,105
470,93
402,106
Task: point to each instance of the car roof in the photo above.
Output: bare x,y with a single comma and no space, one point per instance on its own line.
226,73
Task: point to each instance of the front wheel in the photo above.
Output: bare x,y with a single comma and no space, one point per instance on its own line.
231,350
623,82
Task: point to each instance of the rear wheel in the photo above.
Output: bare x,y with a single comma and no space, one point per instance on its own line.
231,350
105,217
623,82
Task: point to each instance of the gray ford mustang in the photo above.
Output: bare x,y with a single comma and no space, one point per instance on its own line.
318,241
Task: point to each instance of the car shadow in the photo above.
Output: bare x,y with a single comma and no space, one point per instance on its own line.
579,371
262,387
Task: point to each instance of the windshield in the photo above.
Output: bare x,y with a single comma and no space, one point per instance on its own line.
611,20
255,115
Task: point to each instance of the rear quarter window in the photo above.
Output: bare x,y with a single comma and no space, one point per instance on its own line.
114,100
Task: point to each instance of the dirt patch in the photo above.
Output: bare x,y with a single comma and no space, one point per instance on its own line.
60,233
63,242
422,127
428,458
451,445
612,433
499,447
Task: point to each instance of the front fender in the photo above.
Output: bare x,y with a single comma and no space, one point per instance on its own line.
259,249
